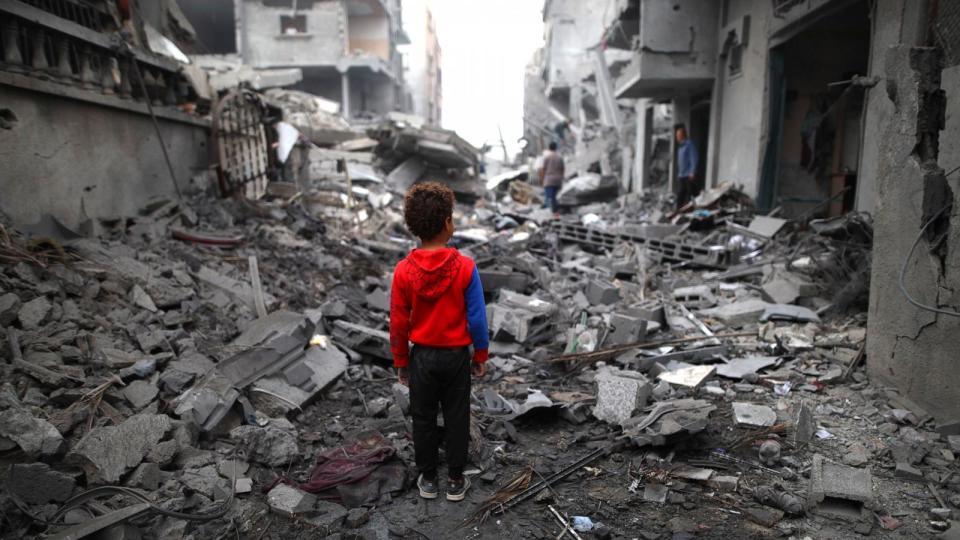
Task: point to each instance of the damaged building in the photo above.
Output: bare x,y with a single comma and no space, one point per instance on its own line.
202,206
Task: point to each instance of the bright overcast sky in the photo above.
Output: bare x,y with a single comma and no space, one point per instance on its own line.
486,45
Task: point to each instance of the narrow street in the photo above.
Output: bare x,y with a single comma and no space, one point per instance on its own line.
714,243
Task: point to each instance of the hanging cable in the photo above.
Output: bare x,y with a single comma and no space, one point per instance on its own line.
906,262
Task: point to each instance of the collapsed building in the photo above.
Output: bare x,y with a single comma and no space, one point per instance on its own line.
208,354
800,105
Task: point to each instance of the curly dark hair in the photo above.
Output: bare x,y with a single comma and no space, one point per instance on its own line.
426,207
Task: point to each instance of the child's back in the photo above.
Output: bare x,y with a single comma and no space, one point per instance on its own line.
436,302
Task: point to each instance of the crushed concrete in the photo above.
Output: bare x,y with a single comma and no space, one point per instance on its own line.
107,453
268,445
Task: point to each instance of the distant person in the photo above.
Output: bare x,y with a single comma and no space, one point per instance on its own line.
436,302
687,160
560,131
551,178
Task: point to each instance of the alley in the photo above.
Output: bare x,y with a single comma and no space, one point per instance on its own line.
713,241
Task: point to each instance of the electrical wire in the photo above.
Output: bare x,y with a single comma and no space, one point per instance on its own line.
906,262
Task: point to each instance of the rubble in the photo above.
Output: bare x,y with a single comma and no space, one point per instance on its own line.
706,356
107,453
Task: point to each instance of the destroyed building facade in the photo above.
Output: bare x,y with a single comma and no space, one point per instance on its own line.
794,102
345,49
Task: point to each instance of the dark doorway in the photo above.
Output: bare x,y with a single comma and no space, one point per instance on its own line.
813,151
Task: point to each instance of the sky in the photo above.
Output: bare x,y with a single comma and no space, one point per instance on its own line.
485,47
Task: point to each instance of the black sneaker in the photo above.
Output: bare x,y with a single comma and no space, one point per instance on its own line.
428,488
457,489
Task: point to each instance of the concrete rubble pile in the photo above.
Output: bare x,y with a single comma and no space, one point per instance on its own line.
207,356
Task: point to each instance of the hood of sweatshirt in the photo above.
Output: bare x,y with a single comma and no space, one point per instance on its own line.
433,271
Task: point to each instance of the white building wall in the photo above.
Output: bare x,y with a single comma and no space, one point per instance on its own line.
740,138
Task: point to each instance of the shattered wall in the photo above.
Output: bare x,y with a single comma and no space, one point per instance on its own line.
66,158
911,348
573,26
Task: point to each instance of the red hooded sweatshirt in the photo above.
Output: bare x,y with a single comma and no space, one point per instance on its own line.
437,301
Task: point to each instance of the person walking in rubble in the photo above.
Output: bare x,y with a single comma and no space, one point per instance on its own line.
687,160
436,302
551,178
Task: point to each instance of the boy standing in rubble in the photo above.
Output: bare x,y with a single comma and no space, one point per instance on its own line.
436,302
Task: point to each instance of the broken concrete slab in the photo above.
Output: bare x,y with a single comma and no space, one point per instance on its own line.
302,380
9,308
752,414
32,314
290,501
737,313
37,483
691,377
240,291
107,453
737,368
268,445
140,393
140,298
35,437
838,491
379,299
620,393
788,312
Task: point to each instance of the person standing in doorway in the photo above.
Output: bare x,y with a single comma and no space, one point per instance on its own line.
551,178
687,160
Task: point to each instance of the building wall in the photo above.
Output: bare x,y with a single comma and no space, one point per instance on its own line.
909,348
573,26
423,61
263,45
69,158
739,143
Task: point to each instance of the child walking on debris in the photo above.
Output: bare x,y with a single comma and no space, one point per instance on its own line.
436,302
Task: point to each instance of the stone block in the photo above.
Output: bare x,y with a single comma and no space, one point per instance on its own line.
839,491
601,292
107,453
695,296
140,393
625,329
620,393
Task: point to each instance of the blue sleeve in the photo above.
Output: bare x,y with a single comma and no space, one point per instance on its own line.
694,158
477,312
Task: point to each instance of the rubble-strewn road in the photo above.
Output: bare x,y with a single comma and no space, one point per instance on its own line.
723,386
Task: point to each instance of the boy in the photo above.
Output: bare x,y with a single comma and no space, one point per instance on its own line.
436,302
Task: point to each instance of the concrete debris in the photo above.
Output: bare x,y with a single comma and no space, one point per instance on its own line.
35,437
737,314
620,394
690,377
220,342
268,445
107,453
32,314
839,492
37,483
751,414
738,368
290,501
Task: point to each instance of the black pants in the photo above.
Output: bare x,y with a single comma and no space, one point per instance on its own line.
688,188
440,378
